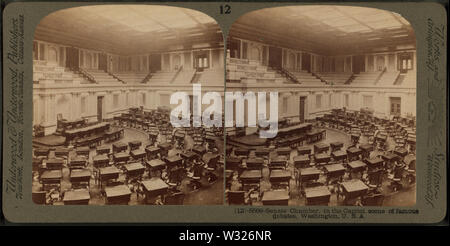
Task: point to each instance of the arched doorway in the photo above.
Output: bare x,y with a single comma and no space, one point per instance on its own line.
254,54
88,60
52,55
176,61
380,63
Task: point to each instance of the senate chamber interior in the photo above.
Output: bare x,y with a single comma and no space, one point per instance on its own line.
102,80
346,79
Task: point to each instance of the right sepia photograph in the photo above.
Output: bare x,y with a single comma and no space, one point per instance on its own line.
333,89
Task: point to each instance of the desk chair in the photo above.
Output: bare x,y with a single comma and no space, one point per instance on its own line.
175,177
374,179
396,177
411,172
195,176
211,167
39,197
46,198
238,198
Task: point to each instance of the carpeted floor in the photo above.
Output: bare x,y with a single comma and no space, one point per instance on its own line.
405,197
209,194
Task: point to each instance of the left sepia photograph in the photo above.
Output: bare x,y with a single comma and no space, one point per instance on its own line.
104,79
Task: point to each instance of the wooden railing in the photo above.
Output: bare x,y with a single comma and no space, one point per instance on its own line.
380,75
350,79
194,73
319,77
176,74
114,76
147,78
286,74
85,74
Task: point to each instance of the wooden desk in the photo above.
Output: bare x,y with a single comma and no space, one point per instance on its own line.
108,173
100,161
62,152
51,177
155,165
41,152
339,155
54,164
118,195
154,187
320,148
390,157
76,197
78,162
113,135
401,152
279,162
284,151
262,152
294,130
119,147
301,161
153,135
254,163
280,176
322,158
164,148
68,124
357,166
353,153
152,152
233,163
303,150
134,170
241,151
317,196
354,188
188,155
275,198
84,131
335,170
134,144
374,163
138,154
366,149
121,157
84,150
315,135
80,176
102,150
309,174
174,161
336,146
250,177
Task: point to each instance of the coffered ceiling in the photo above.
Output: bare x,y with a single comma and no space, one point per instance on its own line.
128,28
327,29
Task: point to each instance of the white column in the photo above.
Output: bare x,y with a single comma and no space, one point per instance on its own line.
210,59
374,63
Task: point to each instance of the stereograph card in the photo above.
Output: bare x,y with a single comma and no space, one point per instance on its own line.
224,112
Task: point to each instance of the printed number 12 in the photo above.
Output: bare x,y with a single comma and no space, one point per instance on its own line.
225,9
